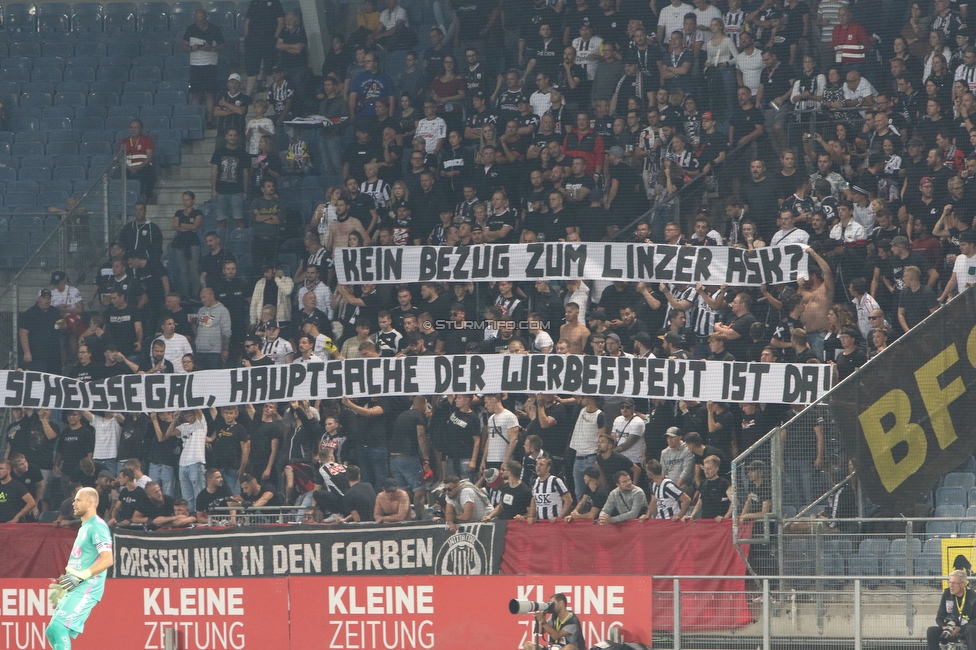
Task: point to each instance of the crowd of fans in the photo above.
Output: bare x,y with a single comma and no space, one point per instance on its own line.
564,121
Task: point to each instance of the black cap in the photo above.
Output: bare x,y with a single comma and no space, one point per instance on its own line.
58,277
44,293
480,93
967,236
458,306
643,338
272,325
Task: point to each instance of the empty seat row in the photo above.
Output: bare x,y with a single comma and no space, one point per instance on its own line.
90,48
16,89
955,495
129,55
136,99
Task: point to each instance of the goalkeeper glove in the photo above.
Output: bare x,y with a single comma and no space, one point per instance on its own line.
72,578
55,592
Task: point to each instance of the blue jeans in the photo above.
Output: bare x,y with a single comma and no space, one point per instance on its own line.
459,467
188,262
579,466
230,206
816,341
165,475
231,480
111,464
373,465
331,155
192,481
406,471
799,482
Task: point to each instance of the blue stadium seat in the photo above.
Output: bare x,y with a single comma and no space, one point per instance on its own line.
49,75
170,98
96,147
4,49
14,249
118,23
58,112
20,199
54,186
128,50
27,49
226,19
70,161
79,80
155,123
38,87
72,173
35,100
69,99
169,151
876,546
128,112
103,99
17,61
4,149
155,111
899,546
53,23
118,123
157,48
944,496
92,47
147,61
968,527
22,186
31,136
10,88
18,74
145,73
7,136
100,161
178,60
23,124
61,148
7,172
964,480
191,125
140,87
179,22
48,199
49,61
177,74
82,22
156,21
55,124
941,528
81,61
34,174
94,136
173,86
119,75
58,49
137,99
91,111
85,123
105,87
37,160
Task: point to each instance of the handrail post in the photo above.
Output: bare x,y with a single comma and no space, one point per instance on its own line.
677,614
857,614
767,616
107,229
14,316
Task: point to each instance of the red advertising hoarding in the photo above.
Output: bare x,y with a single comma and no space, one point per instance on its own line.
420,613
403,613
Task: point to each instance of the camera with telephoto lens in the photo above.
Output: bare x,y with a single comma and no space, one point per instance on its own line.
516,606
947,630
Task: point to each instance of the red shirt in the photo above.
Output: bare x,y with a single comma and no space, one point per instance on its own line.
136,151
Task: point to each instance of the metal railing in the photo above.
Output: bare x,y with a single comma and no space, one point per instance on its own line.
810,612
77,245
241,516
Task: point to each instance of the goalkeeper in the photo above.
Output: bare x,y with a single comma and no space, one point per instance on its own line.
81,587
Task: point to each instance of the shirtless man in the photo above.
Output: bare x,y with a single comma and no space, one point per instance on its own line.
574,332
392,503
818,296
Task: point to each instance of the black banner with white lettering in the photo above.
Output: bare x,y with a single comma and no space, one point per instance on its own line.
910,411
712,265
637,377
355,549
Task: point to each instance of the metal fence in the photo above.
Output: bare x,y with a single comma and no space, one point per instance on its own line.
73,238
809,612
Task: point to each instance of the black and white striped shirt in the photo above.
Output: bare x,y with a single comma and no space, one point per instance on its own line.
733,25
548,497
705,316
278,350
967,74
668,497
379,190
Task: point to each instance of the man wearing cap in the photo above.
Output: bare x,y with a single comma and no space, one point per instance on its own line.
628,432
677,460
65,298
231,109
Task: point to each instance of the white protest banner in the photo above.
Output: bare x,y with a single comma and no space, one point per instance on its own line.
427,375
714,265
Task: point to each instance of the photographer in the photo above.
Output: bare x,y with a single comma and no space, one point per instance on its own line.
956,610
562,626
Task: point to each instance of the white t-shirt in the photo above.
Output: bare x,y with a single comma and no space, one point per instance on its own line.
623,429
107,431
751,67
67,298
704,18
673,18
585,50
794,236
499,425
541,340
176,347
467,496
389,18
194,436
852,233
431,131
255,135
964,269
